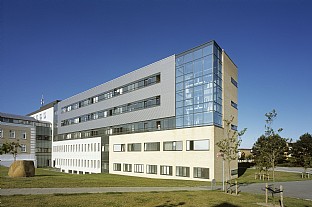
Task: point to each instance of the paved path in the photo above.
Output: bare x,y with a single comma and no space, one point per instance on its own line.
37,191
295,189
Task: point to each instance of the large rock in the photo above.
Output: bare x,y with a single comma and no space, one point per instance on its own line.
22,168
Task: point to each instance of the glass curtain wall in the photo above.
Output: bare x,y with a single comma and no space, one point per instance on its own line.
199,86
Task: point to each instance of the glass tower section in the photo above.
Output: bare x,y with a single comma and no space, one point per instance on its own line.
199,86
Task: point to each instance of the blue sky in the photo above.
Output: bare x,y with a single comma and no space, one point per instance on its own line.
60,48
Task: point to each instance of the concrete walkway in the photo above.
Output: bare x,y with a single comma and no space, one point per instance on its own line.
295,189
38,191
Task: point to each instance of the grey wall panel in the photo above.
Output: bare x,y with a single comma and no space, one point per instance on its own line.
166,89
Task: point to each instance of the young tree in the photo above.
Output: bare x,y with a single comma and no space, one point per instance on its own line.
229,145
270,148
302,151
10,147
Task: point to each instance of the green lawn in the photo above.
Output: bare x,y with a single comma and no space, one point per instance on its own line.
47,178
249,177
155,199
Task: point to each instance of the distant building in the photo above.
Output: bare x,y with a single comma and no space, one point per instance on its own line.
33,136
244,154
48,113
160,121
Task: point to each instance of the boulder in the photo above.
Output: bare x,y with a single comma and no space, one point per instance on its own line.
22,168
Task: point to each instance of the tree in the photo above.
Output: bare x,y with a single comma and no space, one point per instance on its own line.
229,145
269,148
302,151
10,147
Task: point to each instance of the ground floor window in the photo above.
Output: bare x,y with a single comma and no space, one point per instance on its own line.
127,167
117,167
165,170
201,172
151,169
182,171
138,168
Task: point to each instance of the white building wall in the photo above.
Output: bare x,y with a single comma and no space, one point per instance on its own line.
191,159
47,115
78,155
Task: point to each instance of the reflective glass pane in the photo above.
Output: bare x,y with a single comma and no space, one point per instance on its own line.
179,60
208,62
198,119
207,117
198,54
207,50
179,112
188,120
188,57
198,108
188,68
188,110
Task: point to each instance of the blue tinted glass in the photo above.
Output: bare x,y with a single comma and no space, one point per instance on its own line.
188,93
207,78
188,57
179,61
188,102
188,110
198,54
188,68
198,66
207,62
179,79
188,120
207,50
208,106
179,86
207,117
179,122
198,81
189,83
179,104
188,76
179,112
179,96
198,108
198,119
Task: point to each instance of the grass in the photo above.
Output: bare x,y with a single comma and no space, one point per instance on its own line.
155,199
47,178
249,177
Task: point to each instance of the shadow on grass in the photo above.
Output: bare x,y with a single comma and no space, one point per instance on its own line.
168,204
46,175
225,205
242,167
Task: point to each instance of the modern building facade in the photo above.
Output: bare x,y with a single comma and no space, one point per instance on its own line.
33,136
160,121
47,113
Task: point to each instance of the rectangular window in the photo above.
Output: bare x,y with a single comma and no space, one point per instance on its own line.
173,146
201,172
182,171
117,166
127,167
197,145
165,170
23,148
138,168
151,169
12,134
119,148
23,135
234,82
134,147
233,104
152,146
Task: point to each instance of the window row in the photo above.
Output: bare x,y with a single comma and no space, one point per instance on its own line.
134,106
181,171
91,147
78,163
136,127
12,134
191,145
150,80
